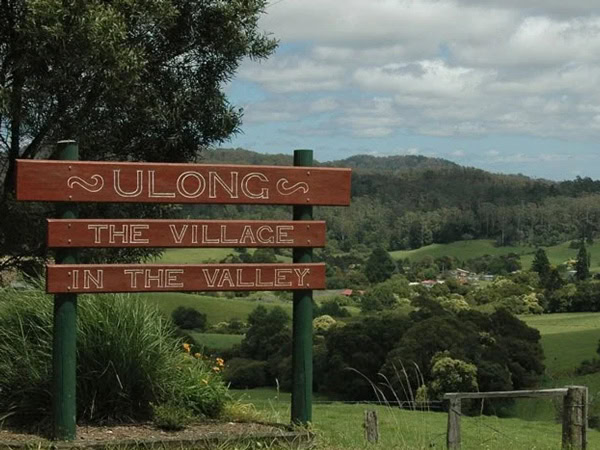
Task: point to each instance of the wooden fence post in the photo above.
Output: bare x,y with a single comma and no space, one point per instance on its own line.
575,416
371,426
453,436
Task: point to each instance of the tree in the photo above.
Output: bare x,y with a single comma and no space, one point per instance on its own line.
264,255
541,264
377,299
189,318
267,334
130,80
380,266
582,266
452,375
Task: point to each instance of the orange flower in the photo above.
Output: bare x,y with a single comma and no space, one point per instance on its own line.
198,355
187,347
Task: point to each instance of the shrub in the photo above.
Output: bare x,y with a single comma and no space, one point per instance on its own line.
170,417
189,318
323,323
588,367
331,308
127,359
245,373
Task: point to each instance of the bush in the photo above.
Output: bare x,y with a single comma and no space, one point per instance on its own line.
588,367
189,318
331,308
244,373
171,417
128,358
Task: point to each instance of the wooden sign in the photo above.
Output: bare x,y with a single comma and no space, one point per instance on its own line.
86,278
65,181
184,233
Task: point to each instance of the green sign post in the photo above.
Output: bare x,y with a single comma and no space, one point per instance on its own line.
64,348
302,362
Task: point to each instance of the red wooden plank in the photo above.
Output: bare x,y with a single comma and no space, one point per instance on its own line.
78,278
184,233
86,181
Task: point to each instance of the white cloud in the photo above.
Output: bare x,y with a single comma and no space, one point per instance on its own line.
294,74
434,67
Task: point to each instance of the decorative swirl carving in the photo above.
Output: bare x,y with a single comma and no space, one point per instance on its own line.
284,188
89,186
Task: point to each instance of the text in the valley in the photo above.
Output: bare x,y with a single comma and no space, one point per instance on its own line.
184,233
187,277
180,183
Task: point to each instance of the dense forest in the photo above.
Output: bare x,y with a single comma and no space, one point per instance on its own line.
405,202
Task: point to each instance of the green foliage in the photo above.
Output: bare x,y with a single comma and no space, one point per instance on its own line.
267,333
506,353
496,265
378,298
323,323
131,80
244,373
355,354
127,359
189,318
541,264
264,255
582,266
170,417
452,375
380,266
332,308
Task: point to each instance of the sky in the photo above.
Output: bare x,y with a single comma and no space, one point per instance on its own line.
509,86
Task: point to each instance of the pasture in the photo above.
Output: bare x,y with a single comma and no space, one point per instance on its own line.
202,255
464,250
217,341
339,426
217,308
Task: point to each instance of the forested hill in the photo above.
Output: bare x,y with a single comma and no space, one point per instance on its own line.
404,202
398,163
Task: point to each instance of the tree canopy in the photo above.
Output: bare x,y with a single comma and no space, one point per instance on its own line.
128,79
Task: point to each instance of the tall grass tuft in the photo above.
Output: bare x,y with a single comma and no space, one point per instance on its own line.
128,359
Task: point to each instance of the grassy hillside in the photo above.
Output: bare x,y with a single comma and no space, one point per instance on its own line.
339,426
201,255
217,341
217,309
461,249
567,339
464,250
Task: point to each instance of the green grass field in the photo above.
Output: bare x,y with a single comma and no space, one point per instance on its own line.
339,426
217,341
461,249
201,255
217,309
567,340
464,250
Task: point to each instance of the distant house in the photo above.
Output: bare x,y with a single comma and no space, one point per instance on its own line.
461,274
487,277
429,283
346,292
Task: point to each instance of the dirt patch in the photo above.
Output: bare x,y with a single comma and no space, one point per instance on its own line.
193,436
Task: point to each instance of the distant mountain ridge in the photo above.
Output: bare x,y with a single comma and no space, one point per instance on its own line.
408,201
393,162
387,163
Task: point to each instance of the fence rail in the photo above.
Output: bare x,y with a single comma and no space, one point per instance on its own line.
574,414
